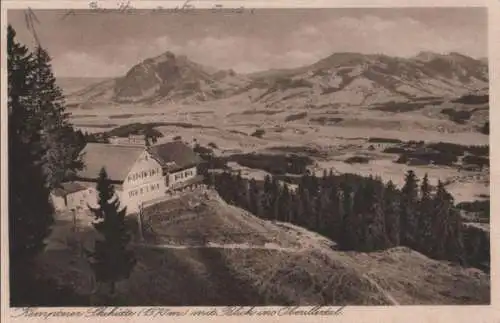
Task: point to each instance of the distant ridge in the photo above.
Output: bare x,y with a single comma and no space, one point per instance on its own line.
344,77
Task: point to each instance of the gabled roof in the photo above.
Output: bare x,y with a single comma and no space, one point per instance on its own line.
117,159
174,155
68,188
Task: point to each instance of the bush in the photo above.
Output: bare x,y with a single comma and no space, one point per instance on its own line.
396,150
274,164
384,140
296,116
397,107
481,207
357,160
476,160
147,129
212,145
177,138
459,117
485,129
326,120
258,133
473,99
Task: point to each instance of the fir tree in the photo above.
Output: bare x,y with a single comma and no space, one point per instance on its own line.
392,214
253,197
111,259
347,216
409,209
375,237
425,215
30,213
441,204
336,213
60,141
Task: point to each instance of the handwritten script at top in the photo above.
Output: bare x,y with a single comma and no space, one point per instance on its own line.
186,7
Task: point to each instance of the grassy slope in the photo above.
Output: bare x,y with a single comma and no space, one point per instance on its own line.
305,271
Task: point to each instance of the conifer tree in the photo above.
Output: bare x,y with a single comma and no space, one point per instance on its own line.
347,216
266,201
392,213
336,212
425,215
409,209
30,213
375,237
441,209
58,136
253,196
285,204
111,260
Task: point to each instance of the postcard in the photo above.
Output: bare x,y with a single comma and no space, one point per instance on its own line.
236,161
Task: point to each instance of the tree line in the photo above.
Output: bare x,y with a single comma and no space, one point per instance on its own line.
359,213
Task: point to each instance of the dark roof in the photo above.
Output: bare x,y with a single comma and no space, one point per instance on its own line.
174,155
68,188
117,159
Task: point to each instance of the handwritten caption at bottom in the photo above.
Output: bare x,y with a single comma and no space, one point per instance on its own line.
39,313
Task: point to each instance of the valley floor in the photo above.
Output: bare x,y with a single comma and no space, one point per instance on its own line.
228,125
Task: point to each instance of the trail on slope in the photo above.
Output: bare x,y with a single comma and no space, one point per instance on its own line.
219,246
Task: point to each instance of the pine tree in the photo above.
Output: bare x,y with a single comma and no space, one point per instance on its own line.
266,201
441,204
111,260
392,213
253,196
425,215
347,217
409,209
30,213
58,136
285,204
336,213
447,227
375,237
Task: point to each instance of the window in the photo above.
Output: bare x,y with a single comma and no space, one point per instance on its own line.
142,190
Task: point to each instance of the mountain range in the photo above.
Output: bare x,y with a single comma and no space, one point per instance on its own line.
344,78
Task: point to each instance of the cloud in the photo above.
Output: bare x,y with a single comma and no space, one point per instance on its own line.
86,65
307,43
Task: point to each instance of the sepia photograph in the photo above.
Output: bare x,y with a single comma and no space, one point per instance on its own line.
248,157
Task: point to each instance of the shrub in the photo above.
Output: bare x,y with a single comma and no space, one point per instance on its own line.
473,99
258,133
395,150
384,140
296,116
459,117
476,160
357,160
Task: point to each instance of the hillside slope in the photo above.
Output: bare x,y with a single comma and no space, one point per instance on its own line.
359,79
204,252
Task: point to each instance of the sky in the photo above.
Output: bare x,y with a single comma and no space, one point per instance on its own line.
91,44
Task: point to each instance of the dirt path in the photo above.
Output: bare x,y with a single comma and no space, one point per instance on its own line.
220,246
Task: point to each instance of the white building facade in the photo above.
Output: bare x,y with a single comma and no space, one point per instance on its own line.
139,174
